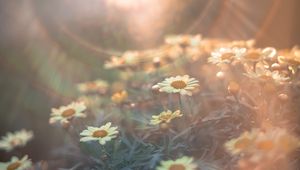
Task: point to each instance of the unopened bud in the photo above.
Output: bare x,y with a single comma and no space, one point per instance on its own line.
164,126
283,97
156,62
233,87
66,125
220,75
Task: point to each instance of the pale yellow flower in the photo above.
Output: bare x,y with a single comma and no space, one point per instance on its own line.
119,97
16,164
183,163
183,85
165,117
16,139
101,134
65,113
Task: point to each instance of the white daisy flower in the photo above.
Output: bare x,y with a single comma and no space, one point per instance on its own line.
226,55
165,117
264,75
16,139
16,164
183,163
101,134
65,113
179,84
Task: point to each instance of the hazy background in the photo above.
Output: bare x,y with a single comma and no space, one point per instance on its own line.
48,46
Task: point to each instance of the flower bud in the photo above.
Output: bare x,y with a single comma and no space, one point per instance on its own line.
233,87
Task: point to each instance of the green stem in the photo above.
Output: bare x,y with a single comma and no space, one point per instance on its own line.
180,102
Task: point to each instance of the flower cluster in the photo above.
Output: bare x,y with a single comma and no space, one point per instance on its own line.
264,64
260,145
175,47
177,106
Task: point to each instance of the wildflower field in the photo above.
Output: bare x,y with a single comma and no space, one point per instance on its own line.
190,103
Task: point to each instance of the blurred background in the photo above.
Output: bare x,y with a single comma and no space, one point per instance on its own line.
47,47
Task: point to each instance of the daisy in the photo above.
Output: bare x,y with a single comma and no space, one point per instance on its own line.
276,139
268,144
253,55
92,86
273,143
291,57
179,84
241,144
119,97
103,134
129,58
165,117
183,163
16,139
16,164
265,75
65,113
226,55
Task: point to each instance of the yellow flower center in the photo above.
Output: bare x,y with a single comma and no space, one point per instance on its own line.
15,142
91,85
178,84
13,166
177,167
288,143
227,56
100,133
68,113
242,143
265,145
119,97
254,56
